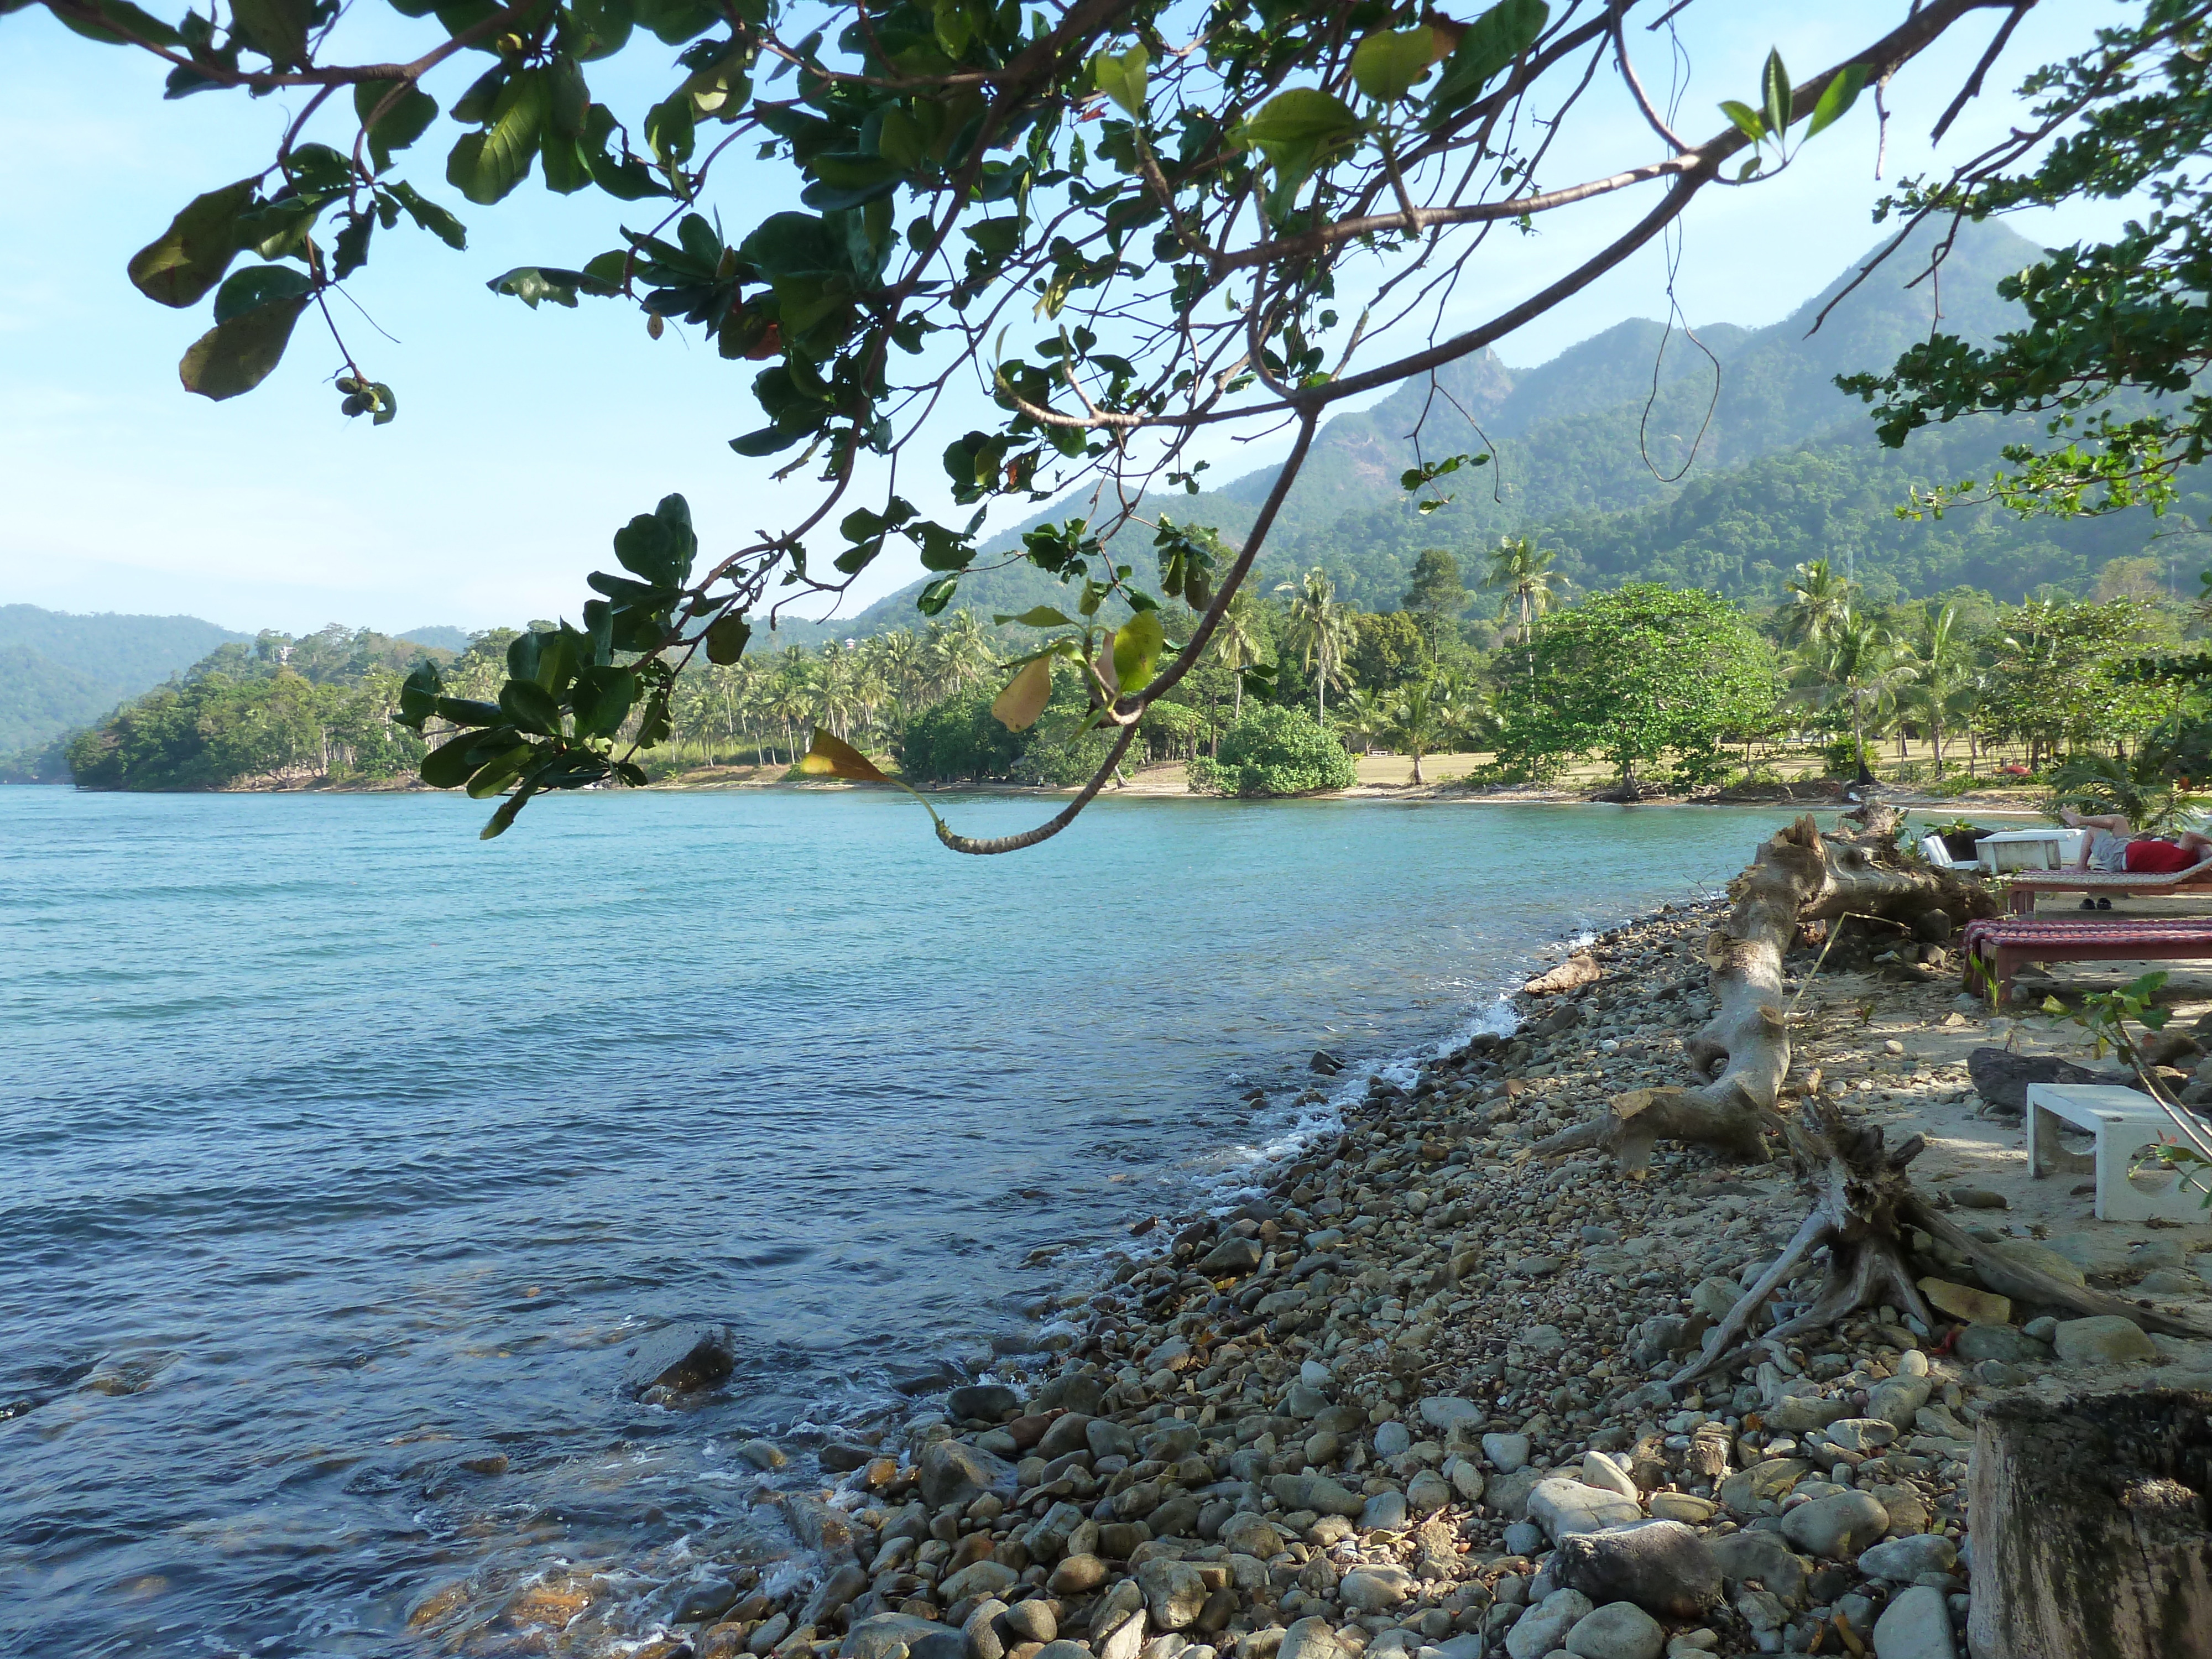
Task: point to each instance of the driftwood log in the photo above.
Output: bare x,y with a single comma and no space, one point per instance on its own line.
1864,1206
1800,875
2093,1529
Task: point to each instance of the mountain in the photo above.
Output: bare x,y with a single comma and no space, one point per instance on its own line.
58,671
1735,459
455,639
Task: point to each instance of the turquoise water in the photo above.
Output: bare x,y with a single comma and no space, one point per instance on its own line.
346,1153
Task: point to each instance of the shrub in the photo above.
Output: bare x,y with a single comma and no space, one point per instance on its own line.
1273,750
1840,759
958,741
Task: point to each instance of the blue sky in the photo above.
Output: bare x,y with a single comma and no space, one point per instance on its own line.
526,438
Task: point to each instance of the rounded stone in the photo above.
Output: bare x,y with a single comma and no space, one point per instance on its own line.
1619,1630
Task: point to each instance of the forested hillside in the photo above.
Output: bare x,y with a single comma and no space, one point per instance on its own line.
58,671
1739,466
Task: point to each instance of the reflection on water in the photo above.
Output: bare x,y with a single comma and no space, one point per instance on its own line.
348,1154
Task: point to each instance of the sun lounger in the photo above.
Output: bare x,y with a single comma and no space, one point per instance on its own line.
1997,948
2110,883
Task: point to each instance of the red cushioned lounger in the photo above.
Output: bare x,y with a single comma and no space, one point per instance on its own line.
1999,948
2110,883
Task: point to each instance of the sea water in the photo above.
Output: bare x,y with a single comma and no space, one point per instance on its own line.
342,1156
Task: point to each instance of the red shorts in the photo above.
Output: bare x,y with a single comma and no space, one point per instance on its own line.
2158,858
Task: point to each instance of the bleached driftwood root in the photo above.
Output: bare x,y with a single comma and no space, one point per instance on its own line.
1800,875
1864,1205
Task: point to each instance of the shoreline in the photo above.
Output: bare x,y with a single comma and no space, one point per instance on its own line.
1447,794
1357,1414
1354,1415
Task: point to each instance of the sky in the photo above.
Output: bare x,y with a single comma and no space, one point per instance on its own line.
525,438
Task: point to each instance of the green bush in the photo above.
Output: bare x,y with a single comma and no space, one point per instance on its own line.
1057,757
1840,759
957,741
1274,751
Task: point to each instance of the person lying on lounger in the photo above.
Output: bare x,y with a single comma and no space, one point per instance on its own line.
2111,844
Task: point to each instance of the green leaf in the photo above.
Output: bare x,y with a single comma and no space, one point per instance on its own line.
659,546
408,119
1486,46
468,711
1389,65
602,700
1137,646
257,286
531,283
529,705
496,773
418,694
1746,119
237,355
670,129
766,441
503,820
123,15
1040,616
448,765
1297,130
726,637
568,97
936,596
1776,85
1837,98
352,248
430,217
1300,117
278,29
485,166
179,266
1122,77
602,27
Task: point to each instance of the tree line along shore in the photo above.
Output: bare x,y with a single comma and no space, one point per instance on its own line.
1643,690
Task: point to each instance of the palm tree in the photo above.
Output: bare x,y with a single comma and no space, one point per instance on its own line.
1319,630
1237,642
1421,721
1362,716
1820,603
1944,684
1523,578
1862,667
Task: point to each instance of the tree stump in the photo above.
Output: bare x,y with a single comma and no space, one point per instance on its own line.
2093,1529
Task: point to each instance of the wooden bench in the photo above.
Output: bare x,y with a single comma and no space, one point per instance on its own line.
1997,948
2110,883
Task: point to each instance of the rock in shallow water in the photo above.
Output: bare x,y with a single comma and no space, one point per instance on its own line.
680,1358
989,1400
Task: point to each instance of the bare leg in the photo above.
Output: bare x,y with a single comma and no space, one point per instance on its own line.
2111,822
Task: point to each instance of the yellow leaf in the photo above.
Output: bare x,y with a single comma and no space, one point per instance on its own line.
834,757
1017,707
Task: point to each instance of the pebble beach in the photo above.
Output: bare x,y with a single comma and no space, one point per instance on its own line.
1410,1397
